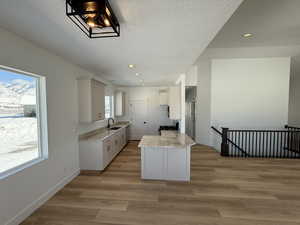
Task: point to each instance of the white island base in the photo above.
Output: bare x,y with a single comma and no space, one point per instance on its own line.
165,164
166,157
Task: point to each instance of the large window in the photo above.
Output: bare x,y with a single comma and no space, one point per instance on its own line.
23,126
108,106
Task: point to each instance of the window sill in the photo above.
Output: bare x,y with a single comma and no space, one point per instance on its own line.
21,167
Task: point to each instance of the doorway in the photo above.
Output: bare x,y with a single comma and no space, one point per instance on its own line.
139,119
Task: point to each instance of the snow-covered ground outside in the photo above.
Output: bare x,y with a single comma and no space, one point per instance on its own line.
18,141
18,134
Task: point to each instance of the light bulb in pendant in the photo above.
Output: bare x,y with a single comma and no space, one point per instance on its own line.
91,22
107,11
91,7
106,22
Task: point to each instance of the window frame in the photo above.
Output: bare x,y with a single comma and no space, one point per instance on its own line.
111,103
42,123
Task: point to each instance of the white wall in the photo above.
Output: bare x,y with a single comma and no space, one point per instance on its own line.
252,52
87,127
157,114
250,93
204,83
294,103
203,104
21,193
191,78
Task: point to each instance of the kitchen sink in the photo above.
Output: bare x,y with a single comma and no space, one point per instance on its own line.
114,128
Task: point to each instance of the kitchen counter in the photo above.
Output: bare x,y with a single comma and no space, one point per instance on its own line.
98,148
166,157
168,139
103,133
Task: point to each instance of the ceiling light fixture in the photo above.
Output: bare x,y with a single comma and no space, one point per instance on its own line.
131,66
137,74
247,35
94,17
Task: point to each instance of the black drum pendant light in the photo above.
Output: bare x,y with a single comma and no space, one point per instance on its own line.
94,17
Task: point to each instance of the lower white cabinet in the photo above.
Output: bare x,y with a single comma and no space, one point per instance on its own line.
153,164
123,137
165,163
108,150
96,154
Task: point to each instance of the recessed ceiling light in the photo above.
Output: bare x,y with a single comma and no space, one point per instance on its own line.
247,35
137,74
131,66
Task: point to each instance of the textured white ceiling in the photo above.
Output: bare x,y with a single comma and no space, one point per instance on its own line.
272,22
161,37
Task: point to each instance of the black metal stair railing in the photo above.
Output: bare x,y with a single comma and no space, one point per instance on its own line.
294,139
261,143
226,141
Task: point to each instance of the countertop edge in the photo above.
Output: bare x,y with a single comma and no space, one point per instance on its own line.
94,136
188,141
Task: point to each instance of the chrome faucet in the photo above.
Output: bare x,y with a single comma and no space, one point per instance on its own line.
108,124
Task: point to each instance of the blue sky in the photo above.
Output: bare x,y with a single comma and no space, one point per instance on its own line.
7,76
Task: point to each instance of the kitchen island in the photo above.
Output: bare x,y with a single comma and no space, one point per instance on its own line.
166,157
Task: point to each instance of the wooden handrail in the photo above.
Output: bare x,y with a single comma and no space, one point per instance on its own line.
291,127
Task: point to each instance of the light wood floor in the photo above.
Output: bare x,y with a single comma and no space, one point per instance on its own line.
222,191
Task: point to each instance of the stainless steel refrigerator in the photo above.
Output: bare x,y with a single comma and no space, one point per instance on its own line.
190,106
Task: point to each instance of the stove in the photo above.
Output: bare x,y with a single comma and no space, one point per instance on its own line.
176,127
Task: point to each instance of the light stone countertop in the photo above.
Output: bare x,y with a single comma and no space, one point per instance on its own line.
102,133
168,139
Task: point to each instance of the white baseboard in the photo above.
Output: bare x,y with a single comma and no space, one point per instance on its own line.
26,212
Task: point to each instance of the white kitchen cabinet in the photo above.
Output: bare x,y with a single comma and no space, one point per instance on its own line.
177,165
123,138
151,157
165,163
119,103
175,102
91,103
90,153
96,154
163,97
127,134
108,149
117,143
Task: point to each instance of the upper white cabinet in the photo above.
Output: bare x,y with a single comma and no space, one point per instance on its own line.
119,103
91,97
163,97
175,103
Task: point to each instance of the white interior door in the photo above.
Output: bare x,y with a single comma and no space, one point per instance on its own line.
138,114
